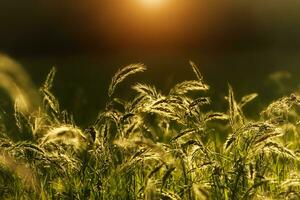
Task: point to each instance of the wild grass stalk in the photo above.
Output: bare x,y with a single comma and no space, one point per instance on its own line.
155,146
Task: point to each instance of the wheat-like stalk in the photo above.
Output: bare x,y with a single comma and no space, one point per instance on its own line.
122,74
153,146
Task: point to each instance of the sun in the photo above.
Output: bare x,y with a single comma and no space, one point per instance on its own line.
152,3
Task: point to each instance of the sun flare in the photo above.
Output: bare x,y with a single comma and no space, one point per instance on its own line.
152,3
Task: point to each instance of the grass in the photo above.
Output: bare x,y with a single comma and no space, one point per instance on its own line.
154,146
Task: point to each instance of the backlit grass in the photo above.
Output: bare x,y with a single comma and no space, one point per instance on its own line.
154,146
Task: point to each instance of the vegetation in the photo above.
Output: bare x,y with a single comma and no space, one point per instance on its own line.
154,146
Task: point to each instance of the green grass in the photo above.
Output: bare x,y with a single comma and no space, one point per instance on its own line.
153,146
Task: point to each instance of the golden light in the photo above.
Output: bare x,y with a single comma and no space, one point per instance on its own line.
147,24
152,3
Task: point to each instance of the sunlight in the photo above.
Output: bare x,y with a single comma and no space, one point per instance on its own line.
152,3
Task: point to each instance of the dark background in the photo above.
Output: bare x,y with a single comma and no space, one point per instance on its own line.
236,42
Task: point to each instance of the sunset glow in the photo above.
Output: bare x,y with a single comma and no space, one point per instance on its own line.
152,3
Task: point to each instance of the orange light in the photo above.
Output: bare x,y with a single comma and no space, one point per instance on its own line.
152,3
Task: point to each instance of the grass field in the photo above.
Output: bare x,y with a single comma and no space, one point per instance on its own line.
156,145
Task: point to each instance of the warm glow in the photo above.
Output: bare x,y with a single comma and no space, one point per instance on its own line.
149,24
152,3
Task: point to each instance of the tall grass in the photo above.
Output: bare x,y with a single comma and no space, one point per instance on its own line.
154,146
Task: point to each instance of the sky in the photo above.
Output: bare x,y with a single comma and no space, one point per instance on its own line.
64,27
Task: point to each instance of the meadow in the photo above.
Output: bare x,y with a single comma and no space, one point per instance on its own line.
155,145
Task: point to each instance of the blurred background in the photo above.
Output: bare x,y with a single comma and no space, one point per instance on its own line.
253,45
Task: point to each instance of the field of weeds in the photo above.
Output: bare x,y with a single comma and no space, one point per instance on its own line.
154,146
